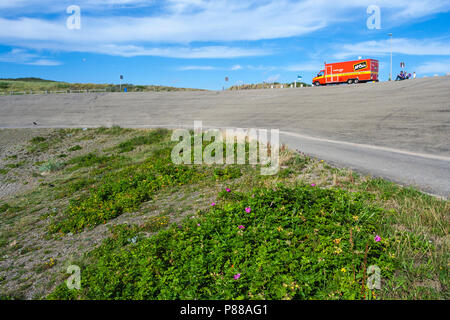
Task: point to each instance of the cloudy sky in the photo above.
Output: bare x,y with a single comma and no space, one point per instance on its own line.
197,43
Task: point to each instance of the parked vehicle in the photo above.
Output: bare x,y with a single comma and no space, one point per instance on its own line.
348,71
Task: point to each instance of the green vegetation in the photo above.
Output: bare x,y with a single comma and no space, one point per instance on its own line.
301,243
152,137
74,148
114,130
39,144
40,85
50,166
124,191
89,160
15,165
6,207
36,140
309,232
267,85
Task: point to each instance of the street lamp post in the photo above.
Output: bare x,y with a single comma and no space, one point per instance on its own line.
390,74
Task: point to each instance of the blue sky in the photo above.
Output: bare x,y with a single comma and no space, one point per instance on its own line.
197,43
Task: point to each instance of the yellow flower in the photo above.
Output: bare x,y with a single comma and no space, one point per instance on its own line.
337,241
356,218
343,270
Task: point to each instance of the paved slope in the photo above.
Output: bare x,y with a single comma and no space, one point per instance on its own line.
411,115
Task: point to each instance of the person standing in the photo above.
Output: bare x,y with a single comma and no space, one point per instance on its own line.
414,75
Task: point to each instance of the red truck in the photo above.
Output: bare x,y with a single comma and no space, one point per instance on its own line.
349,71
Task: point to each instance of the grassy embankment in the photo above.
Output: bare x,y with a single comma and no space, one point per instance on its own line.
267,85
112,202
36,85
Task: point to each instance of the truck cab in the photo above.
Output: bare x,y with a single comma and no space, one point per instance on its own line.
319,79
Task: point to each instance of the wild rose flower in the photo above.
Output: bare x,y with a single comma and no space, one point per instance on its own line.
237,276
248,209
228,190
313,184
213,204
241,227
377,238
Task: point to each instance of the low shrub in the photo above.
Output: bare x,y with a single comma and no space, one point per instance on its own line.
152,137
123,191
50,166
15,165
283,243
74,148
89,160
7,207
36,140
114,130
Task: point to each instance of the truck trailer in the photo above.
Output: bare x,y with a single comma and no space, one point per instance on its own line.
348,71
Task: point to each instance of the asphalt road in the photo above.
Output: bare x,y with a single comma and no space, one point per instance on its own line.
399,130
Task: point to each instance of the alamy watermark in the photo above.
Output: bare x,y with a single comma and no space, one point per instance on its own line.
374,20
74,280
260,150
374,279
73,22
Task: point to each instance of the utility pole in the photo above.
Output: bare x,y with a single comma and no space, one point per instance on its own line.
121,78
390,74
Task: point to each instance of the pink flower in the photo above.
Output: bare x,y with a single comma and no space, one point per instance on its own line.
237,276
313,184
228,190
377,238
248,209
241,227
213,204
198,224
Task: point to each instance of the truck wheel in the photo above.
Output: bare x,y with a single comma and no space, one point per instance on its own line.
317,83
356,81
350,81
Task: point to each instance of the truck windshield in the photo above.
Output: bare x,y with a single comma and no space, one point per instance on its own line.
320,74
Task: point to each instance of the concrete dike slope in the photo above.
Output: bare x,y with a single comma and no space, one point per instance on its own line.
396,130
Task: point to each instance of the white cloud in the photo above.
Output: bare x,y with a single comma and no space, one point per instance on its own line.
205,68
186,52
44,62
273,78
310,66
432,67
402,46
261,68
21,56
184,22
306,66
177,52
53,6
200,68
